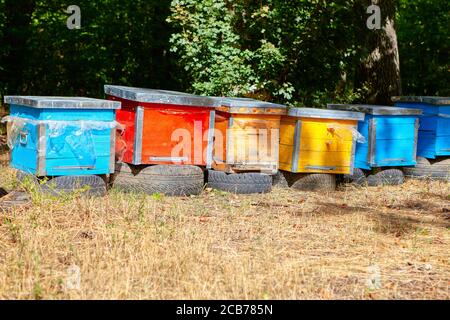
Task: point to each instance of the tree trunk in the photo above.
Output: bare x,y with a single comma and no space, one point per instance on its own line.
380,71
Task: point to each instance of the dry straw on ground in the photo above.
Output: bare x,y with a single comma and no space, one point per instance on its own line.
368,243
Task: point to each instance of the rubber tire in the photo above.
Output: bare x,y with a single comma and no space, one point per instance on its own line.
279,180
388,177
314,182
170,180
439,170
23,177
240,183
57,186
357,178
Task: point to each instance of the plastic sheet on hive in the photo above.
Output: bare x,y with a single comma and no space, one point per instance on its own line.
443,115
76,137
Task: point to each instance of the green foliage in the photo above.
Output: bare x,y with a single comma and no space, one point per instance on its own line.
122,42
320,46
423,35
303,52
206,43
292,52
213,53
296,52
2,46
2,22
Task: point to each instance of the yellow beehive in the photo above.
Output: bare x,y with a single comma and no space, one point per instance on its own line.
318,140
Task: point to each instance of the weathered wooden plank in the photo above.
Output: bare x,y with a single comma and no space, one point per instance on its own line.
252,140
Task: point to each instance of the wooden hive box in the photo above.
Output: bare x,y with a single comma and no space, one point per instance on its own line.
164,127
247,135
318,140
62,136
390,134
434,128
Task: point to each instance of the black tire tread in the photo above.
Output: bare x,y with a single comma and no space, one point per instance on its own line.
388,177
172,180
440,163
240,183
279,180
57,186
23,177
314,182
439,170
69,184
358,177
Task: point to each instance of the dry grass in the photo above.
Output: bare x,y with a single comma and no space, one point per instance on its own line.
283,245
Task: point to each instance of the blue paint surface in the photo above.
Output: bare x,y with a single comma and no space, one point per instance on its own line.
434,130
394,141
24,154
62,114
69,150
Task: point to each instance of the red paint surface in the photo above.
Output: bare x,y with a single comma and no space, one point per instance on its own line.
176,131
126,117
166,129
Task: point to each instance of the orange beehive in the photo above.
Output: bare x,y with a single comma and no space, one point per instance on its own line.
247,135
163,127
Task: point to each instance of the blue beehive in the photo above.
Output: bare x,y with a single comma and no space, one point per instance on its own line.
434,130
390,134
59,136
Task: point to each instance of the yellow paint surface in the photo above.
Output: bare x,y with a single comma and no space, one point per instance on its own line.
323,142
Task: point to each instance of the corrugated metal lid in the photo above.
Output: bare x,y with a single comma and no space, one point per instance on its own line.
160,96
325,114
374,109
61,102
425,99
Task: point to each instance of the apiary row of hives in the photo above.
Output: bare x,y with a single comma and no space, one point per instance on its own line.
67,136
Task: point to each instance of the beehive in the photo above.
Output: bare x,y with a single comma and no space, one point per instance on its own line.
164,127
247,135
434,129
318,141
390,134
60,136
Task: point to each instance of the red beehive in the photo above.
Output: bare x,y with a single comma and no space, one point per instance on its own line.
163,127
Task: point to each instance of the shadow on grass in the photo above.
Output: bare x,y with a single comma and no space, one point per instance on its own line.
399,225
394,223
429,195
